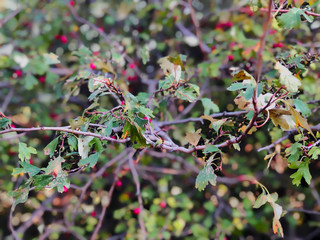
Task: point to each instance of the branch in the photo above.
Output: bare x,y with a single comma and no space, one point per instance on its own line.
65,129
196,24
215,115
288,134
138,193
11,15
287,10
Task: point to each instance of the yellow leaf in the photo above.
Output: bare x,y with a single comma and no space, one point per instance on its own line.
193,138
287,79
172,66
300,121
283,118
243,75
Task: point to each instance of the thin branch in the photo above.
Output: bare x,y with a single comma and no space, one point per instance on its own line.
11,15
198,30
215,115
65,129
287,10
138,193
14,233
7,99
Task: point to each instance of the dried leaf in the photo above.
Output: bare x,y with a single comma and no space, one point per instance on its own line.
193,138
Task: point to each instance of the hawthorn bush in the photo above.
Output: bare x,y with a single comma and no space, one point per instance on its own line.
167,119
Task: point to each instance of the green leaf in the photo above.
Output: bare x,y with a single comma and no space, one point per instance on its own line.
189,93
108,130
144,52
97,144
50,58
40,181
209,106
315,152
91,160
210,149
236,86
29,168
302,107
303,171
248,93
21,194
4,122
51,147
261,200
30,81
205,175
25,152
72,142
292,19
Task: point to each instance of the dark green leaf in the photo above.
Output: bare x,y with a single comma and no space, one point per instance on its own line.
51,147
4,122
236,86
40,181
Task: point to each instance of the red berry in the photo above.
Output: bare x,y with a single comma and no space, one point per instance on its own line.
287,145
132,65
96,53
72,3
163,204
17,73
280,45
94,214
136,211
101,29
92,66
122,102
42,79
113,137
63,39
118,183
54,116
57,36
12,126
124,72
310,144
230,57
213,48
65,189
175,18
31,161
11,153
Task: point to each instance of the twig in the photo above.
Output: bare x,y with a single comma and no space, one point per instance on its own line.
197,28
11,15
7,100
14,233
262,42
287,135
105,206
138,193
65,129
287,10
215,115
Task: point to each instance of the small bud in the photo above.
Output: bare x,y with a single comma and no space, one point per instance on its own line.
230,57
94,214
